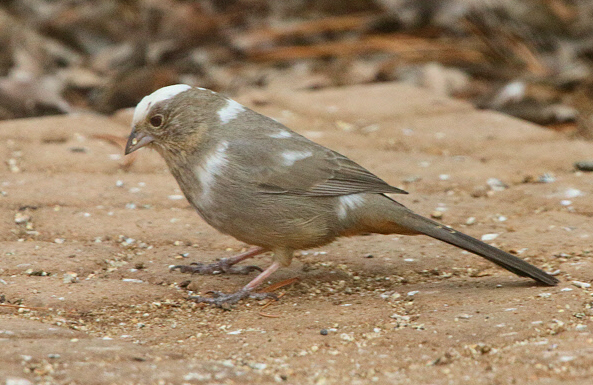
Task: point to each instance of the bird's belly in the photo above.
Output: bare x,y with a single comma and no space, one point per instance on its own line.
270,223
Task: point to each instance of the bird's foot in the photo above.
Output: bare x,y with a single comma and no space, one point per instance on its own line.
224,300
225,265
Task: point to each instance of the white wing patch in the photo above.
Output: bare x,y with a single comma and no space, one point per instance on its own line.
349,202
289,157
230,111
283,134
157,96
212,166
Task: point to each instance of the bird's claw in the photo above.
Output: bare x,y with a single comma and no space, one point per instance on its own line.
224,300
220,267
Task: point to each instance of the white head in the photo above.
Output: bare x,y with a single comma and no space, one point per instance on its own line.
157,96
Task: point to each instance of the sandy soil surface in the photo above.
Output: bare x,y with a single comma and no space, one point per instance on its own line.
85,249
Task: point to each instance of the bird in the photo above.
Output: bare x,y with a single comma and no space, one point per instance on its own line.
255,179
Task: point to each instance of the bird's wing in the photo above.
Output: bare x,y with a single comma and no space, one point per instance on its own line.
306,168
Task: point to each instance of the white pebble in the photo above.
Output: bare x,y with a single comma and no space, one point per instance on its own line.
489,237
17,381
496,184
582,285
258,366
175,197
198,376
573,193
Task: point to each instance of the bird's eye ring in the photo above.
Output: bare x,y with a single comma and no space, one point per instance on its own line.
156,121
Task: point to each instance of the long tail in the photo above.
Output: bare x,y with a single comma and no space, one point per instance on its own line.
413,221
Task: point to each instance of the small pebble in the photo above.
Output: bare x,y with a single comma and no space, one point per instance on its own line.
496,184
20,218
436,214
584,165
412,179
572,193
489,237
582,285
546,178
257,366
470,221
70,277
17,381
324,332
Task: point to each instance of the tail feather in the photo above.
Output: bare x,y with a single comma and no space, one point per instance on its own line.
503,259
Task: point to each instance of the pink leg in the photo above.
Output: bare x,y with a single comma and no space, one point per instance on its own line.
246,255
262,276
225,265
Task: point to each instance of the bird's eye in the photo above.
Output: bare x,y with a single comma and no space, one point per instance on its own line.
156,121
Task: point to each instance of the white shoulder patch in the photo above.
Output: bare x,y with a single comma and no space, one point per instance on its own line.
283,134
289,157
211,168
349,202
230,111
157,96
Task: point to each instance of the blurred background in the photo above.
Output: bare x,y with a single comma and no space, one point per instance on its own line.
529,58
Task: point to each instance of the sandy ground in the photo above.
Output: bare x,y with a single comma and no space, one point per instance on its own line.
85,249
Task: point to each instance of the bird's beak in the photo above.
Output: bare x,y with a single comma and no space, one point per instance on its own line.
137,140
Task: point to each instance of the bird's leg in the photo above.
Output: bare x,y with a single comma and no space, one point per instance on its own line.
221,299
224,265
